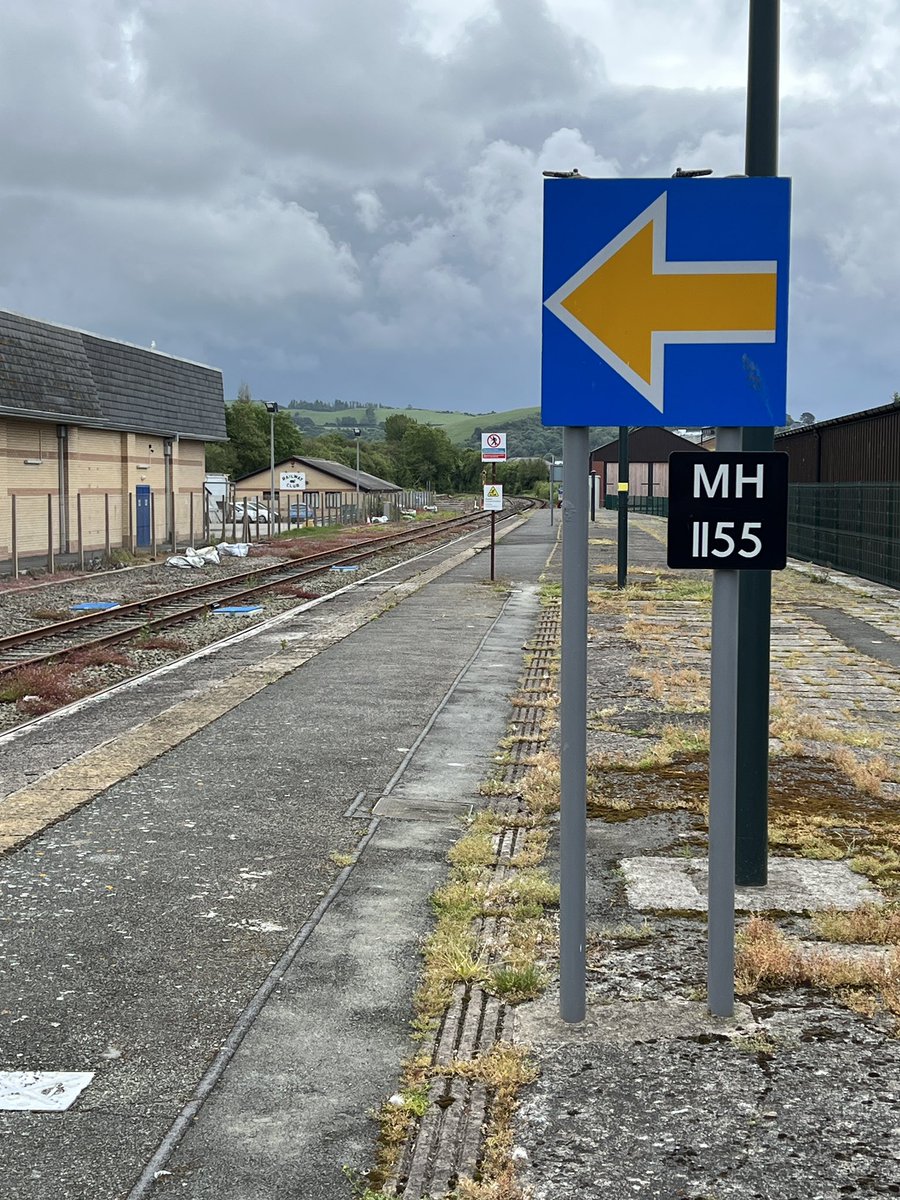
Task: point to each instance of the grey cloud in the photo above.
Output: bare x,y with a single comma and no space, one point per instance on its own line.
307,195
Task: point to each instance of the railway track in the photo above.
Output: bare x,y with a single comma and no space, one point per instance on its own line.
60,639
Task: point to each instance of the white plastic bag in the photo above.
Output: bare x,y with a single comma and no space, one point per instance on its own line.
235,549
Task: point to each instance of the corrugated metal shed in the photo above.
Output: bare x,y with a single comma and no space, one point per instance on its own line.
862,447
50,372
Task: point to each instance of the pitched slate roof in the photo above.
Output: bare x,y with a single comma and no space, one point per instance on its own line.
50,372
367,482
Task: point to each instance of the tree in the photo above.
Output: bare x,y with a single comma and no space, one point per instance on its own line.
247,426
427,456
395,426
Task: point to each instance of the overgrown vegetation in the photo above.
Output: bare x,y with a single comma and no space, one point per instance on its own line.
767,958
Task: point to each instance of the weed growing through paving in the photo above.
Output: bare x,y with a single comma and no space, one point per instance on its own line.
505,1070
872,924
766,958
508,962
626,933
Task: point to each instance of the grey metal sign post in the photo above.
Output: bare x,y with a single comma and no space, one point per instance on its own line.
722,778
727,511
573,726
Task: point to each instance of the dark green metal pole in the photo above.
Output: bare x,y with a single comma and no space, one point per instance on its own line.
622,539
754,623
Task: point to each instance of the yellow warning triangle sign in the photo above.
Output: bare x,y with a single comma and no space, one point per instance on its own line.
493,492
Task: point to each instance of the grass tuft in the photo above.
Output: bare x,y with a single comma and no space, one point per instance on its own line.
766,958
871,924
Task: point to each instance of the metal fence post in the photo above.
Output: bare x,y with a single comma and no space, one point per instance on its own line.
51,557
152,523
106,522
14,539
80,521
192,517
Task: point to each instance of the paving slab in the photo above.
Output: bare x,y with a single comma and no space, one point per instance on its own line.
795,885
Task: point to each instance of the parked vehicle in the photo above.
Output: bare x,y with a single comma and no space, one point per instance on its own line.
254,512
301,512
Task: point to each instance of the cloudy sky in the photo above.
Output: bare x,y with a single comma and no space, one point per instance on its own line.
342,198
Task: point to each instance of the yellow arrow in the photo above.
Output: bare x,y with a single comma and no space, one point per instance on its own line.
629,301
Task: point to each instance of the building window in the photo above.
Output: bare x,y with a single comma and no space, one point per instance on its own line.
332,499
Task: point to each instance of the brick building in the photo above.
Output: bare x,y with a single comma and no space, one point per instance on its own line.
101,442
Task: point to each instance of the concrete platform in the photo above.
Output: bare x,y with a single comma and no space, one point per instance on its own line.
796,885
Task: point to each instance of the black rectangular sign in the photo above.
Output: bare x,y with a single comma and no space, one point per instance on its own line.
728,511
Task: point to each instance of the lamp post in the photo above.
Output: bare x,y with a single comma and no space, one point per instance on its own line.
272,409
357,433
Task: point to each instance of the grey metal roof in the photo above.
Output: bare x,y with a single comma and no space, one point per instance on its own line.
367,482
54,373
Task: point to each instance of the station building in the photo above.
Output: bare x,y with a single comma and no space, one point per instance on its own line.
330,487
101,442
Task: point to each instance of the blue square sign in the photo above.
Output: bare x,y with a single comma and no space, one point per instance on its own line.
665,301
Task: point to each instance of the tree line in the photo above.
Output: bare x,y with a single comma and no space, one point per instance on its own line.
407,453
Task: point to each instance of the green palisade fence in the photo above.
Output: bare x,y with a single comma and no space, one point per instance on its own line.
852,527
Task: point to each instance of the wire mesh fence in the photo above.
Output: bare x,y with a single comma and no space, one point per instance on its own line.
654,506
852,527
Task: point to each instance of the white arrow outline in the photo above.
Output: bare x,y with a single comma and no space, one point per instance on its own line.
656,214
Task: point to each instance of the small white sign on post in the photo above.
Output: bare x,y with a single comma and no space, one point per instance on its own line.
293,481
493,497
493,447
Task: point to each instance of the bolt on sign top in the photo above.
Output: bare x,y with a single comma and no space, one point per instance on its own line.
665,301
493,447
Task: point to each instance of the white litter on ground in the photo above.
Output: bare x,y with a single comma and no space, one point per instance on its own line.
41,1091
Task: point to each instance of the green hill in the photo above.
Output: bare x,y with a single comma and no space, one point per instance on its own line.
458,426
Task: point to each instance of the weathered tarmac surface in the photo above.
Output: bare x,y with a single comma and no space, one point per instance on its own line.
798,1097
137,930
